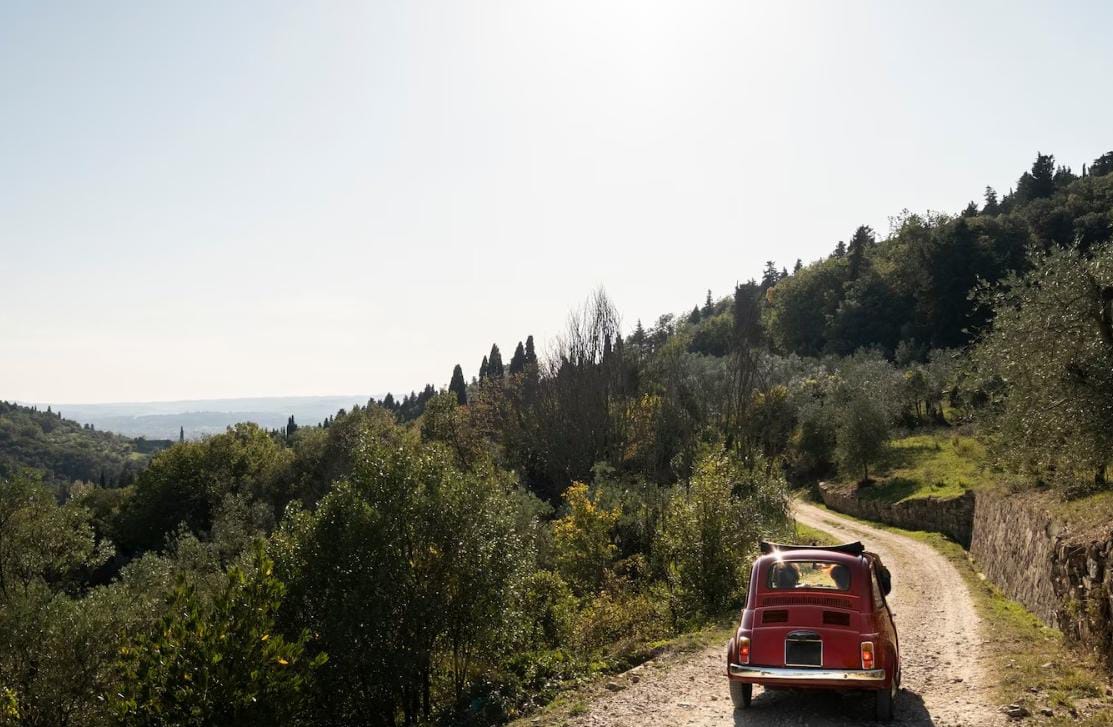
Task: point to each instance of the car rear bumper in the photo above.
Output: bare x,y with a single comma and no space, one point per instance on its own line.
803,677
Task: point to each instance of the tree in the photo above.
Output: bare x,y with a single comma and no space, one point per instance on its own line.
582,539
711,530
694,316
186,483
457,385
990,207
494,363
222,662
1040,181
531,355
484,369
291,427
798,266
1102,165
861,434
181,434
518,360
406,566
770,275
1047,363
862,240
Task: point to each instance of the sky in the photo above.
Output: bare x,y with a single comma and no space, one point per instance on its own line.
211,199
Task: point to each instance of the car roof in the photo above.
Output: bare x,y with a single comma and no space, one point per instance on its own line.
826,556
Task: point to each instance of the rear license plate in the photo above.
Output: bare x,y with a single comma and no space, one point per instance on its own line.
799,652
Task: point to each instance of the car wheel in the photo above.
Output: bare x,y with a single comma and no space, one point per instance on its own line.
741,694
886,699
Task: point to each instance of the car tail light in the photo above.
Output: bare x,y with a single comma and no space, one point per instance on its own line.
867,655
743,650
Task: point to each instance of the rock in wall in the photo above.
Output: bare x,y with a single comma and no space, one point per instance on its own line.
954,517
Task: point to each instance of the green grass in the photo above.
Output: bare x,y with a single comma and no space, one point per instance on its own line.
1024,654
940,464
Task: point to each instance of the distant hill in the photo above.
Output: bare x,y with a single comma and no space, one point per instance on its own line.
65,450
165,419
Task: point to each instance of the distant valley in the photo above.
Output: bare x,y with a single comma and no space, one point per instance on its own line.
200,417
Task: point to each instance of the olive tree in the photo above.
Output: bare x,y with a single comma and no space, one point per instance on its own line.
1050,348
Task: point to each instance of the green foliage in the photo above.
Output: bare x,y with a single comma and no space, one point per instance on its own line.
582,539
188,482
1050,352
63,451
218,662
861,434
711,531
435,560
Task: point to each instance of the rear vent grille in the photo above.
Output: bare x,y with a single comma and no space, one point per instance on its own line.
825,601
834,618
774,617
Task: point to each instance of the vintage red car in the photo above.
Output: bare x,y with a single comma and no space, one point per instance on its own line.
816,618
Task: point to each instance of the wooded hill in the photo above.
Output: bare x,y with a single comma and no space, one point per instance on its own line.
65,451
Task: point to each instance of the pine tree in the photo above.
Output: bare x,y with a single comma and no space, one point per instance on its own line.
862,239
708,306
840,249
494,363
990,207
483,369
518,360
694,316
457,385
770,276
798,266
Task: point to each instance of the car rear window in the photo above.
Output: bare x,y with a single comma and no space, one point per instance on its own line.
809,575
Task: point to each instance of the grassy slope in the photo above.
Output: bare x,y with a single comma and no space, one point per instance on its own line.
1026,655
940,464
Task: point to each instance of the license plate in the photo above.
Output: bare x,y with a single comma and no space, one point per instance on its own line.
803,652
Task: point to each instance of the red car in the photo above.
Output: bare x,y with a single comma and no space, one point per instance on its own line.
816,618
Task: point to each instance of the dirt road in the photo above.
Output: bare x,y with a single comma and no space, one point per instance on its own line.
940,644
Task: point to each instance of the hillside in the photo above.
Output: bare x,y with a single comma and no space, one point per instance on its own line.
65,451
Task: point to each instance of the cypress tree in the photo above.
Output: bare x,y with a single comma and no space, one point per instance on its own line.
483,369
181,434
518,360
494,363
291,426
457,385
531,355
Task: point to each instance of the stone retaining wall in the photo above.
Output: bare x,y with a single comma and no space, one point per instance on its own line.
953,517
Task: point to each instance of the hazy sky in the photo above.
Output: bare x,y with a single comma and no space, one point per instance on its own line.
207,199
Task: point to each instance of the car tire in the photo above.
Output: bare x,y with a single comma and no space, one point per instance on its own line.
741,694
886,701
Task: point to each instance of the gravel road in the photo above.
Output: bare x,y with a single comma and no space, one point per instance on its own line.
944,684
